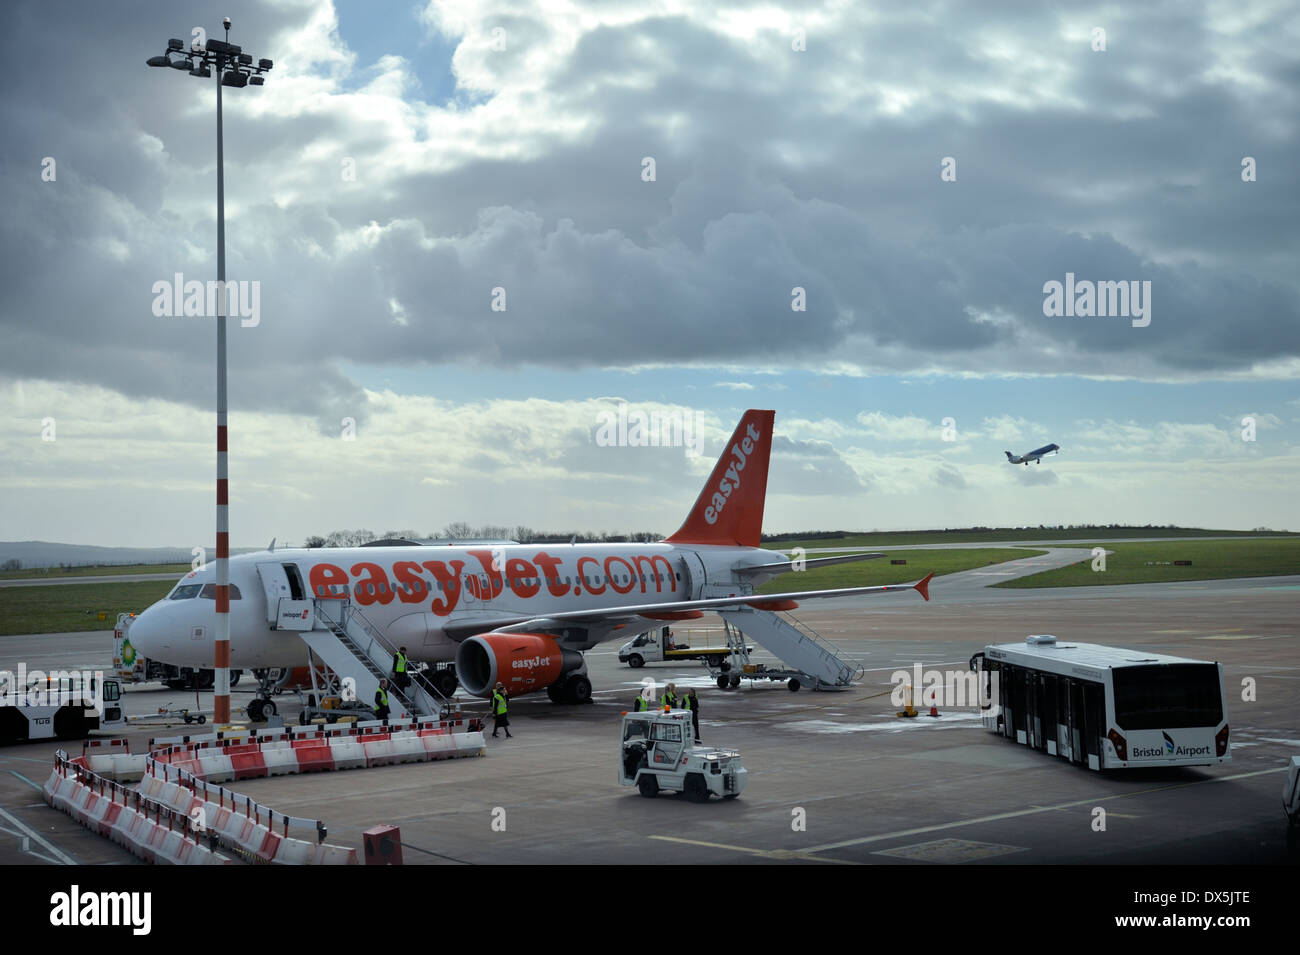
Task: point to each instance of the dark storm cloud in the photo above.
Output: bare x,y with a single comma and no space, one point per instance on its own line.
774,170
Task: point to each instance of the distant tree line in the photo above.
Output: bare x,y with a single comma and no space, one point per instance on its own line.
460,530
834,535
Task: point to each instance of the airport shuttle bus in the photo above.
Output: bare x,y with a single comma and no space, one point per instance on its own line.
1104,707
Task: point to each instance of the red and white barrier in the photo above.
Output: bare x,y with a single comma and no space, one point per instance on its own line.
310,749
170,816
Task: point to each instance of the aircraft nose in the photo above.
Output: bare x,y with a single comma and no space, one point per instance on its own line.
152,634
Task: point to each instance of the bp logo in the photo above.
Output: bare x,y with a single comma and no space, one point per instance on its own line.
1169,743
128,653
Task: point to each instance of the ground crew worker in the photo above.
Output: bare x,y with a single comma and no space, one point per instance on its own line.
640,703
381,701
399,668
692,702
669,698
500,720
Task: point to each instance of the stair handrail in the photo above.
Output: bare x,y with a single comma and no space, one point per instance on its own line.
829,651
349,613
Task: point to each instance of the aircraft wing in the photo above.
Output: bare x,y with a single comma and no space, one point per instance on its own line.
783,566
612,618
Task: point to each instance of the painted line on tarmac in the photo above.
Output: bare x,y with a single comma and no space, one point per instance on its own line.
763,853
62,857
998,817
27,781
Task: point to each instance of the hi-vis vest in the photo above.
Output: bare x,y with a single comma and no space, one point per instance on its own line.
686,702
498,703
399,662
640,704
381,695
668,699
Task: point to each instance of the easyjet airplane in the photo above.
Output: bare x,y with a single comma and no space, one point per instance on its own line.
519,613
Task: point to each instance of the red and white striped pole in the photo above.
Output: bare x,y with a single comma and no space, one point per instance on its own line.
221,638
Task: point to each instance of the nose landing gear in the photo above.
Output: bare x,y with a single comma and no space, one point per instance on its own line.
269,682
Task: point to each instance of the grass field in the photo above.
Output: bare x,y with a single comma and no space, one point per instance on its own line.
1153,563
870,573
104,570
74,607
997,535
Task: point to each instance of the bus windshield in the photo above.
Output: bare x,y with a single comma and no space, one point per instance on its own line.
1167,696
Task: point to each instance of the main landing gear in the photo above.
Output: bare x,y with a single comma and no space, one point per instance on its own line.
575,688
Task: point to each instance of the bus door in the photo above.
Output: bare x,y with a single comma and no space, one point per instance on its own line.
1016,724
1044,713
1075,717
1033,719
1094,719
1062,727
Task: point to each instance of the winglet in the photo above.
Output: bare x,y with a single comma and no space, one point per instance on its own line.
923,586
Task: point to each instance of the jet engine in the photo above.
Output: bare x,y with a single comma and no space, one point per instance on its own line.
525,663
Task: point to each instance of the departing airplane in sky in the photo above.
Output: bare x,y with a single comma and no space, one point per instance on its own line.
1035,455
519,613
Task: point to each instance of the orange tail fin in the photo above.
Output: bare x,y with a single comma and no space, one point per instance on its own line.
730,508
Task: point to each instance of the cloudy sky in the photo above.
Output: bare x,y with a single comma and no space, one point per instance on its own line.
477,226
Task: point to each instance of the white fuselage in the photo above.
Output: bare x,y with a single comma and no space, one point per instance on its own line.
415,595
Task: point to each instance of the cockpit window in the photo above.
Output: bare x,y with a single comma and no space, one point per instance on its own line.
207,591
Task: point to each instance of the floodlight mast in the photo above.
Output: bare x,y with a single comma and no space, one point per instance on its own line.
233,68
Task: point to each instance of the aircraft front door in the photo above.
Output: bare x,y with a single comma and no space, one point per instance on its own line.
275,584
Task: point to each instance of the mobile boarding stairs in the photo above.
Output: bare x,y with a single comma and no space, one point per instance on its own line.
348,656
